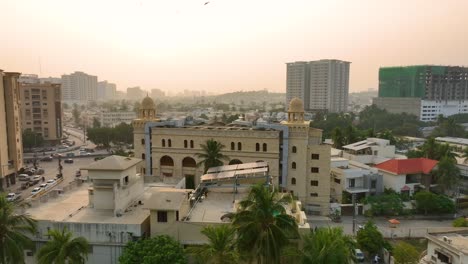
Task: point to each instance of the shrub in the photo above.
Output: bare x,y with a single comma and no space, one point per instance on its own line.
460,222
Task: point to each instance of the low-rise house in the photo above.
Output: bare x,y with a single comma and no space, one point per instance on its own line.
407,175
369,151
447,247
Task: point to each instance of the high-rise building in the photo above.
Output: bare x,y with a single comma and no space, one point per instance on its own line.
106,91
79,88
11,148
135,93
426,91
157,93
323,85
41,110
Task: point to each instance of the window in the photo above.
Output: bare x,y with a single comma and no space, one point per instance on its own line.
314,170
163,143
293,181
169,143
313,183
143,155
337,181
142,141
233,146
264,147
376,153
162,216
257,147
314,194
294,149
177,215
352,183
191,143
239,146
373,184
293,165
126,180
185,144
315,156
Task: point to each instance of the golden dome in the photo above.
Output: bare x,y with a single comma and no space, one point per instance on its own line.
296,105
148,103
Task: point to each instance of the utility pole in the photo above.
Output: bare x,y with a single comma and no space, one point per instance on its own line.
354,212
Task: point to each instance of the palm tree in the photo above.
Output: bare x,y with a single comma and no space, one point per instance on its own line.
13,230
211,156
264,228
444,150
221,247
447,174
338,138
328,245
430,148
63,249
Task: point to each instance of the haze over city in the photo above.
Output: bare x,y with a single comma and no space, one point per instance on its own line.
226,45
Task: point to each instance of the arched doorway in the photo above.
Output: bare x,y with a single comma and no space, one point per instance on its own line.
235,161
167,166
189,169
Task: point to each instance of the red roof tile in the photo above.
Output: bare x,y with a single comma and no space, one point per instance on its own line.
407,166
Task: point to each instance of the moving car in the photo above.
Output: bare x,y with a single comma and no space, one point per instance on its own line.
48,158
11,197
36,190
68,161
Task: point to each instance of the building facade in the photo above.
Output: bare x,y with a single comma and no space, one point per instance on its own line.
41,110
112,119
79,88
11,150
297,159
323,85
106,91
135,93
425,90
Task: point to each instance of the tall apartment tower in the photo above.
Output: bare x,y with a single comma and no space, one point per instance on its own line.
106,91
79,88
322,85
41,110
11,145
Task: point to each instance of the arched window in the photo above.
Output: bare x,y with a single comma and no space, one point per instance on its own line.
233,146
293,165
142,141
264,147
239,146
294,149
257,147
169,143
185,144
191,143
143,155
293,181
163,143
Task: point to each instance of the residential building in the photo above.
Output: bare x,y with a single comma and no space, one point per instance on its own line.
41,110
34,79
112,119
447,247
302,169
182,214
407,175
157,93
107,212
426,91
11,150
323,85
79,88
135,93
458,144
369,151
354,178
106,91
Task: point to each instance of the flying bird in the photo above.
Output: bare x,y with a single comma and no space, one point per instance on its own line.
206,3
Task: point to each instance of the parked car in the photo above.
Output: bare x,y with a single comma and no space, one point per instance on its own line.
78,173
84,153
48,158
11,197
98,158
43,185
40,171
50,181
68,161
70,155
359,255
34,180
36,190
23,177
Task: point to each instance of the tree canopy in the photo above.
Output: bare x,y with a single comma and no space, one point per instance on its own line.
370,239
32,139
427,202
159,249
405,253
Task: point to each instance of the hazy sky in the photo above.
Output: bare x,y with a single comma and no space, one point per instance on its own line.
226,45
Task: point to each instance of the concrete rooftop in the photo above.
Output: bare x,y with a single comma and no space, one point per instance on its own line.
215,205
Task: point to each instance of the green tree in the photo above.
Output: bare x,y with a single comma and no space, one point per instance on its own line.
124,105
424,201
211,155
433,203
14,228
370,239
263,227
123,133
460,222
447,174
338,138
221,247
388,135
76,113
385,204
448,127
63,248
405,253
32,139
328,245
96,122
159,249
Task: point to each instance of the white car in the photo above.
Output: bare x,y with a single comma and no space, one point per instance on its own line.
43,185
12,197
36,190
50,181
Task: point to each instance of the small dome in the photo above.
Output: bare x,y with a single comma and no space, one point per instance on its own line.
296,105
148,103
